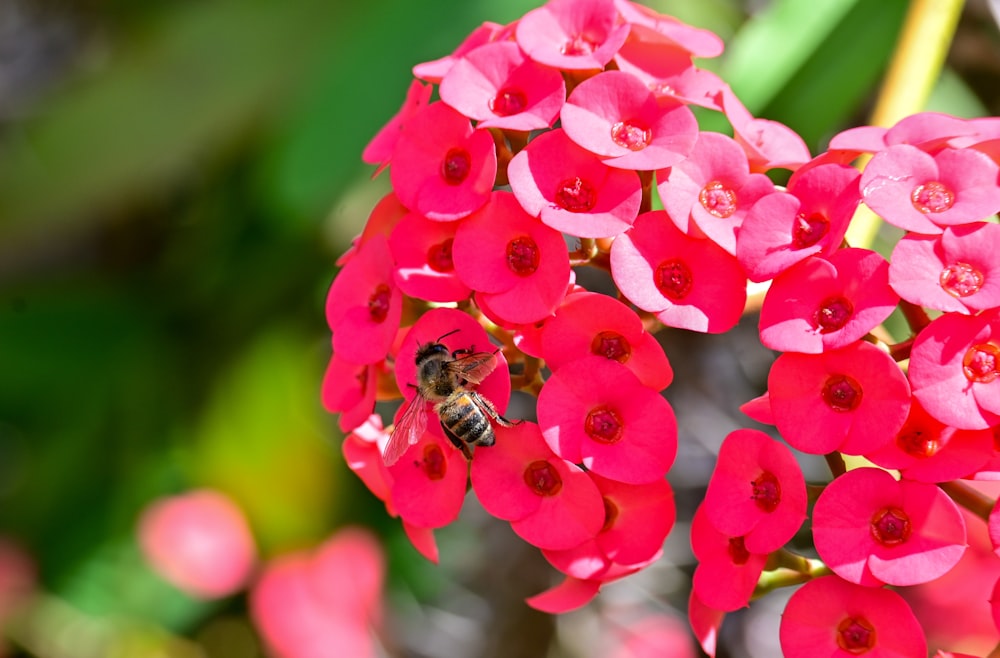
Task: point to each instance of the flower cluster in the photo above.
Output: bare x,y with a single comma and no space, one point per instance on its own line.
564,144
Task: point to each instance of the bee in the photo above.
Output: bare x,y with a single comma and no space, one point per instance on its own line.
444,377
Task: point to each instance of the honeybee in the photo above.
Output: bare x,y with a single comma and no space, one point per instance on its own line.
444,377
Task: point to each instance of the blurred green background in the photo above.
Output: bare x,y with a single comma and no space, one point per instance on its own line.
176,181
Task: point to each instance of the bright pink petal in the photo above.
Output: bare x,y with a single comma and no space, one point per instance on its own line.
572,34
570,594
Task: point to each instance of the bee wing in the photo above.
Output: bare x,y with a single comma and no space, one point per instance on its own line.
473,368
411,426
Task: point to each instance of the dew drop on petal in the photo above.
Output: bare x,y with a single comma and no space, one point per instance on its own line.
718,199
456,166
981,363
508,101
961,279
378,303
856,635
673,279
631,135
842,393
522,256
576,195
932,197
832,314
604,425
434,464
809,230
439,256
611,345
738,552
891,526
542,478
578,45
766,492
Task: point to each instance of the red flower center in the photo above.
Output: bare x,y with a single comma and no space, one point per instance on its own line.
508,101
610,514
611,345
842,393
919,443
542,478
809,230
631,135
439,256
604,424
576,195
832,314
673,279
456,166
961,280
891,526
738,552
981,364
718,199
522,256
932,196
766,492
378,303
856,635
434,465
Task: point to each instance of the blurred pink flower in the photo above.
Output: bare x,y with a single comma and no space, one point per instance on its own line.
198,541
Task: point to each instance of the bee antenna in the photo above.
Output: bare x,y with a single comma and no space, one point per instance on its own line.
453,331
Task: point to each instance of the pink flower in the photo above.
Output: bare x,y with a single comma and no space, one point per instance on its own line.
550,502
695,41
832,617
654,636
380,149
436,325
872,529
498,87
768,144
592,323
957,270
615,116
853,400
727,571
688,283
711,192
757,491
571,189
362,450
518,266
595,411
442,168
920,192
572,35
428,482
570,594
324,603
637,519
826,303
364,305
955,369
435,70
659,64
705,623
423,252
810,218
198,541
927,450
349,389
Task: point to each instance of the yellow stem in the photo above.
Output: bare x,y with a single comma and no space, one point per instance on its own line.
915,67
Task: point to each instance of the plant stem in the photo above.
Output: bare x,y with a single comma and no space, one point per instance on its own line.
976,502
916,64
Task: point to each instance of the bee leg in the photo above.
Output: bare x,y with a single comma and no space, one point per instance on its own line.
492,412
457,442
